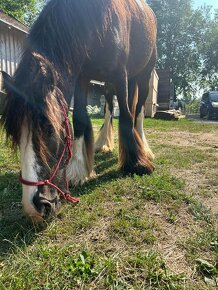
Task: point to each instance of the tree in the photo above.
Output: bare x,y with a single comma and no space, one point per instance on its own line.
23,10
209,54
181,33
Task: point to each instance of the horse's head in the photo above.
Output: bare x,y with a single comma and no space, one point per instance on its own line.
35,117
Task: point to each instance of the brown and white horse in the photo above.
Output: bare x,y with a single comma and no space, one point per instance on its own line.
72,42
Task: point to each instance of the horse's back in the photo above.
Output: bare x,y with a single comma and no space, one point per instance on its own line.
96,35
128,38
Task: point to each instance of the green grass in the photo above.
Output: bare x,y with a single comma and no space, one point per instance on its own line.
181,125
118,236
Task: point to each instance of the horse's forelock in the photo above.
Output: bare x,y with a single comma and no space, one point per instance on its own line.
34,102
52,116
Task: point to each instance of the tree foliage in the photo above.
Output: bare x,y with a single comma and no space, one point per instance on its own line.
187,44
23,10
209,53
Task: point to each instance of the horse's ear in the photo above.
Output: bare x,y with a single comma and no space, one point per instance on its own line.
6,81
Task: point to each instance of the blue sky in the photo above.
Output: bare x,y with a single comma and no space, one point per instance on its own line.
213,3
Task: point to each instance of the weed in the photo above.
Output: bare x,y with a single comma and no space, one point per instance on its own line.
171,216
200,212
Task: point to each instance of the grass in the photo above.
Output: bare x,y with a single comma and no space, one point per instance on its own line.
149,232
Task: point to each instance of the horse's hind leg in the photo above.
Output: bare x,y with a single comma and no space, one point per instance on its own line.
143,80
133,158
140,114
105,139
81,166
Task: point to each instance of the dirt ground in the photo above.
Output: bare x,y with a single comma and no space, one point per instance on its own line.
199,177
201,182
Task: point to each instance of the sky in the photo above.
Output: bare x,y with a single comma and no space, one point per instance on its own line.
213,3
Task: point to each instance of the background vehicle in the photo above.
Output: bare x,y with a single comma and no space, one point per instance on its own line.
209,105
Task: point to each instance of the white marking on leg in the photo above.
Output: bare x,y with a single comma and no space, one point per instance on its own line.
77,169
29,170
140,130
105,139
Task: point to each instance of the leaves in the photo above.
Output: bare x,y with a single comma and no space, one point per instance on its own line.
209,271
23,10
83,267
206,268
187,45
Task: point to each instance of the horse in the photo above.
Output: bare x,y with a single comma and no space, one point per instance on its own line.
70,43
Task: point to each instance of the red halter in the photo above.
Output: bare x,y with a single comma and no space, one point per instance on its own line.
68,146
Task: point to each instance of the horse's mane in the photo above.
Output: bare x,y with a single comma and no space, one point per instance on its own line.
64,30
33,99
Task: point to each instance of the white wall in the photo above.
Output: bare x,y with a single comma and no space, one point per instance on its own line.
11,47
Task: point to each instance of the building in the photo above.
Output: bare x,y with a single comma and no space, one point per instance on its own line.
97,90
166,95
12,35
151,105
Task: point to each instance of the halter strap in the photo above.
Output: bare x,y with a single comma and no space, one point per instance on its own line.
68,147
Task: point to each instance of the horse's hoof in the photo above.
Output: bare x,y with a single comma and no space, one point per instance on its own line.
104,149
150,155
93,174
138,169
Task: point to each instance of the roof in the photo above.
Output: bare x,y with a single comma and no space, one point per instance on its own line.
11,21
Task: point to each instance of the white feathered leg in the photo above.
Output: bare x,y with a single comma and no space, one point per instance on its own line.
140,130
105,139
78,168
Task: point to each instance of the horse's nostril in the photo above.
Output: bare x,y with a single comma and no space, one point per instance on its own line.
47,210
44,207
46,202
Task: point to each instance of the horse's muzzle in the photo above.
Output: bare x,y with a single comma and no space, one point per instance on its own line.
46,201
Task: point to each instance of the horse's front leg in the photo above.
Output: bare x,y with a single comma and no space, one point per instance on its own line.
80,168
133,158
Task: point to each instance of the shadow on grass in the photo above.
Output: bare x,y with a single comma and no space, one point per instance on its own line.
9,180
16,231
99,180
106,168
10,191
104,161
